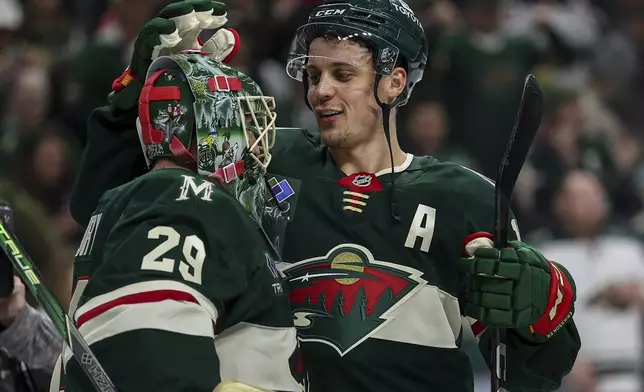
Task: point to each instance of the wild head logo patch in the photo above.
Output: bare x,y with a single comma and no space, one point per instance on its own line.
344,297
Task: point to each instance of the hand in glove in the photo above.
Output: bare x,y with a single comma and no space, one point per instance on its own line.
177,28
515,288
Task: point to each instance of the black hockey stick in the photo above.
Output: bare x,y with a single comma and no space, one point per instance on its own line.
72,338
525,128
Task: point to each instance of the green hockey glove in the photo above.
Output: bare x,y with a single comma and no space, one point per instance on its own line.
515,288
177,28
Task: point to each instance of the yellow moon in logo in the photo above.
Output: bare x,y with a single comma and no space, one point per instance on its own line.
348,261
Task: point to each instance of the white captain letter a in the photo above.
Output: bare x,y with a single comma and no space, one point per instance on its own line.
422,227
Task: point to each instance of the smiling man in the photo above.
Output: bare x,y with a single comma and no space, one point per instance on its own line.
386,252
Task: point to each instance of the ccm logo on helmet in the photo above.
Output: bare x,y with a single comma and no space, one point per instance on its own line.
330,12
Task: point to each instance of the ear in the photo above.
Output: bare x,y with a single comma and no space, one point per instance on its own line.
393,85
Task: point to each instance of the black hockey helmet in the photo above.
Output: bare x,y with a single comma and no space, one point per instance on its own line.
389,28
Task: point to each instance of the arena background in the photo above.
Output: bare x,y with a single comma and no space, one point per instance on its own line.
579,197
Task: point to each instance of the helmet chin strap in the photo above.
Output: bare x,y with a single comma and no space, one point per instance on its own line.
305,82
386,116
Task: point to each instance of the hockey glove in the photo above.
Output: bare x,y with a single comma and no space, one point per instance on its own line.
516,288
177,28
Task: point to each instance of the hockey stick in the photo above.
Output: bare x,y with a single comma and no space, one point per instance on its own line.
524,130
72,338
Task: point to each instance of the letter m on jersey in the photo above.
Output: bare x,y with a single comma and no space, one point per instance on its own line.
190,187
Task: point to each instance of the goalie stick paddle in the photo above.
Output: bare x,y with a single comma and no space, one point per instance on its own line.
71,336
524,130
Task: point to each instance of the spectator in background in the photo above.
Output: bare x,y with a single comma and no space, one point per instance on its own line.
24,78
38,153
26,114
29,345
43,243
11,17
89,14
105,57
609,274
563,145
621,83
42,169
478,73
426,131
575,22
269,55
48,26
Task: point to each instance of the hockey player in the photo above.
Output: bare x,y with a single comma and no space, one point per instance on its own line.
386,252
178,289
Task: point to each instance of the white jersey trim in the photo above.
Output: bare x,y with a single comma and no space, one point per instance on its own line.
486,179
429,318
400,168
265,353
147,287
178,317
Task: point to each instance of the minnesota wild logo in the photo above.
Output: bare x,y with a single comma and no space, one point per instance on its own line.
344,297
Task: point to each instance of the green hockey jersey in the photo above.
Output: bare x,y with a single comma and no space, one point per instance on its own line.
177,291
376,303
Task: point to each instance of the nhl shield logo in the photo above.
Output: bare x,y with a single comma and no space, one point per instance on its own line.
358,185
362,180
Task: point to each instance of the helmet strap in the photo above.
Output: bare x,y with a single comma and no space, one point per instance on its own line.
305,82
386,116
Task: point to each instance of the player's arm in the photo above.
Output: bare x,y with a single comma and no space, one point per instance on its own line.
165,283
534,301
112,157
113,154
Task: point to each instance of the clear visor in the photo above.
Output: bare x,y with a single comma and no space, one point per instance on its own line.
336,44
259,127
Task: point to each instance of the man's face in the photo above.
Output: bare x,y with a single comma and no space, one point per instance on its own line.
581,203
341,79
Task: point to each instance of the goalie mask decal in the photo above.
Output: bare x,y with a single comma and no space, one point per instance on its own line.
189,101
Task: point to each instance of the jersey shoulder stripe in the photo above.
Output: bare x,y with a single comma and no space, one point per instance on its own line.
143,292
162,305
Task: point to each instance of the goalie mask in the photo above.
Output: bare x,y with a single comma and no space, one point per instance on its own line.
189,100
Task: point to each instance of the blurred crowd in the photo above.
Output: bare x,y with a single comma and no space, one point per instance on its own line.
580,197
